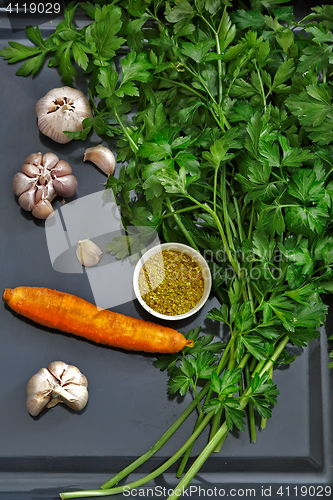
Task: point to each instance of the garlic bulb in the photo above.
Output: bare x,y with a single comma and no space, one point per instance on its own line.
102,157
88,253
58,383
62,109
41,179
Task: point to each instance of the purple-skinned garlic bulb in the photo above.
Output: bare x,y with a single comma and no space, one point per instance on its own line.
41,179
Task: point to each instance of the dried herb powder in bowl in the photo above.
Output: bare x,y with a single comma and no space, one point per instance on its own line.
171,282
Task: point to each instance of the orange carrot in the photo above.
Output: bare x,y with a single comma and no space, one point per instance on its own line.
71,314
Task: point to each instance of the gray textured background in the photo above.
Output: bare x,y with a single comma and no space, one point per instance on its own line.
128,408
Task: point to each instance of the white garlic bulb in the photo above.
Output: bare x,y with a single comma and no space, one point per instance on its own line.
102,157
62,109
88,253
58,383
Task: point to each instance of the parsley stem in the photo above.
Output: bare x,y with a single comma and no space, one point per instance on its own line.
251,223
208,23
203,83
261,85
251,409
134,146
252,364
204,455
216,171
232,360
218,50
153,16
215,424
214,108
220,434
205,207
328,174
225,207
258,367
220,444
92,102
180,420
141,460
135,484
275,355
181,225
194,384
181,84
217,418
222,364
249,291
264,420
181,210
239,221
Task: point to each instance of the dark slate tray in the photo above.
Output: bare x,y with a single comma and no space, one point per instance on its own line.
129,408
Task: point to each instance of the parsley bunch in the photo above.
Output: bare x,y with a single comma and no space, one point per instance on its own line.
224,123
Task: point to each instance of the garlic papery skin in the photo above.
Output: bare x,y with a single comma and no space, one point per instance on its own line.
88,253
102,157
58,383
62,109
41,179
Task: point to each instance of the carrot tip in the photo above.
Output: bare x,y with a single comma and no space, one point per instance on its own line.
6,294
189,343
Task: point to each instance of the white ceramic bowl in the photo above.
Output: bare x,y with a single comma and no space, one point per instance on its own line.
196,256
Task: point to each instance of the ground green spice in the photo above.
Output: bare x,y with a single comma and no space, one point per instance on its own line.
171,282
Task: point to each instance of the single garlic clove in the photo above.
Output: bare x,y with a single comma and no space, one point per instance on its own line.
62,168
27,200
51,193
102,157
77,396
72,375
45,192
35,159
42,209
43,380
22,183
62,109
88,253
30,170
41,193
54,401
61,395
50,160
39,391
45,177
36,403
57,369
65,185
